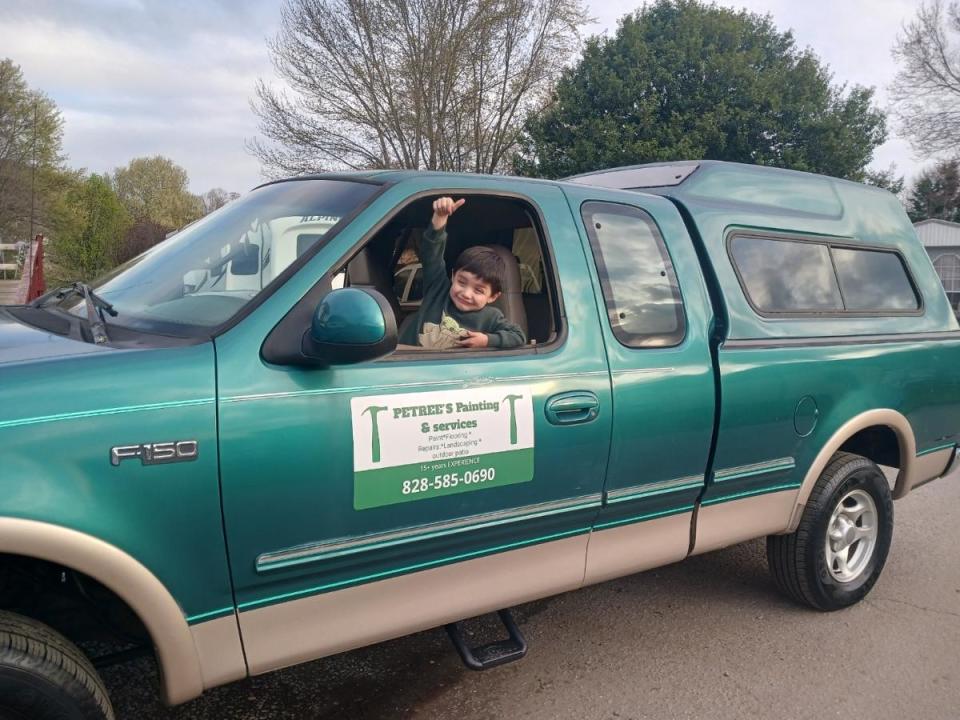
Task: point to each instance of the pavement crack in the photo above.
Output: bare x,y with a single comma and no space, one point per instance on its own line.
920,607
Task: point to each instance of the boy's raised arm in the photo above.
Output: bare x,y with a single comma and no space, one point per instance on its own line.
434,240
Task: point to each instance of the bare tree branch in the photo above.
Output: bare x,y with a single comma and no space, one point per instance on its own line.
421,84
926,90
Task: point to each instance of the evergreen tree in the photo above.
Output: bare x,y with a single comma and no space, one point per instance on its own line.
681,79
936,193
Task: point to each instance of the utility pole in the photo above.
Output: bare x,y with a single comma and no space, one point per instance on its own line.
33,175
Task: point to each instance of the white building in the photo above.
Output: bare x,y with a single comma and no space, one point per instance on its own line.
942,241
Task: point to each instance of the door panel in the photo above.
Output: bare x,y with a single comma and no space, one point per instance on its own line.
301,518
662,377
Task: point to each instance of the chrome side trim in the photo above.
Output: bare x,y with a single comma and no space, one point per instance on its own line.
770,343
760,468
429,383
315,552
643,371
104,411
657,488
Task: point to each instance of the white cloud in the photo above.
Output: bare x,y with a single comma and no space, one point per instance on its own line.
122,99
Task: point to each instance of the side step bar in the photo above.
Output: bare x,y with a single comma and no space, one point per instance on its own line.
492,654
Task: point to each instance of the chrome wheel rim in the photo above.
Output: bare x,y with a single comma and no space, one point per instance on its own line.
851,536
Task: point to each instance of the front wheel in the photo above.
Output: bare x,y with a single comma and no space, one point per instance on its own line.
43,676
839,548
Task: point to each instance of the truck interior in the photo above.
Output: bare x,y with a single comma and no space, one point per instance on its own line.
389,262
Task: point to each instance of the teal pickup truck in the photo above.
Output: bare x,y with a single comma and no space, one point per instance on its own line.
218,453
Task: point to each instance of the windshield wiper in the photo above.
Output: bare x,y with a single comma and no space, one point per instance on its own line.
95,306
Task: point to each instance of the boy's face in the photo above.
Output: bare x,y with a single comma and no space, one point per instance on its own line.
470,293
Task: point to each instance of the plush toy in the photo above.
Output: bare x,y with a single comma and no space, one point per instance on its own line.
444,336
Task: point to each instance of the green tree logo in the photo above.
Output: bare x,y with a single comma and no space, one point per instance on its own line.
375,431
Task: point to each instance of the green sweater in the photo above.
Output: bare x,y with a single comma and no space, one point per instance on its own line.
436,301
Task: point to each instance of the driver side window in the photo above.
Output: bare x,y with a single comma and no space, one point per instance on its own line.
396,262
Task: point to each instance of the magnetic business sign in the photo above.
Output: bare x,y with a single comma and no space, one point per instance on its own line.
422,445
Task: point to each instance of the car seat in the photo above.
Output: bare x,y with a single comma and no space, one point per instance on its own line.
371,268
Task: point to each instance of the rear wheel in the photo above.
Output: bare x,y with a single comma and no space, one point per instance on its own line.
840,546
43,676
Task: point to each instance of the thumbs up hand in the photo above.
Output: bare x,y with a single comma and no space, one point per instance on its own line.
443,208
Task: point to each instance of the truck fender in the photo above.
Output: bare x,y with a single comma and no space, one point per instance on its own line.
177,656
905,439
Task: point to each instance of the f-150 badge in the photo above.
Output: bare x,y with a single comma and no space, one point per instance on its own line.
156,453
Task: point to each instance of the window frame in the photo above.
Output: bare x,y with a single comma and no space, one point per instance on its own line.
630,340
830,243
553,287
291,327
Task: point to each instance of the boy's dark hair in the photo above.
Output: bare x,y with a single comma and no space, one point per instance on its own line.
485,263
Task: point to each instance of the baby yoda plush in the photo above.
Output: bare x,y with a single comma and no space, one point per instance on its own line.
443,336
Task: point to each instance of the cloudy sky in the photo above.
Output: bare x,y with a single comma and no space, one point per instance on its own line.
174,77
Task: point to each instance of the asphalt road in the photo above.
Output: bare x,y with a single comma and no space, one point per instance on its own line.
706,638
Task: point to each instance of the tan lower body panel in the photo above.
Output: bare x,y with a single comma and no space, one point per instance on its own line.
735,521
298,630
926,468
218,647
628,549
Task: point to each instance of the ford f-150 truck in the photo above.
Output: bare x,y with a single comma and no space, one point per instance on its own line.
218,454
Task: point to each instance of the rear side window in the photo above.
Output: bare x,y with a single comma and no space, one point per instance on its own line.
874,280
782,276
636,275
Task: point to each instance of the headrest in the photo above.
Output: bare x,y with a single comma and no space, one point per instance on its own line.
510,301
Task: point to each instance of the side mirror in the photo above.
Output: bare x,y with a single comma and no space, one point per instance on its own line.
351,325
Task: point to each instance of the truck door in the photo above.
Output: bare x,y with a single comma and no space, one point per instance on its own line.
655,326
367,501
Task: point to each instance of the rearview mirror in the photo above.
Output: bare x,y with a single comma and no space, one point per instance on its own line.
245,260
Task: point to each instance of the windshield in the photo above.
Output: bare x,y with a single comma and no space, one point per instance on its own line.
201,276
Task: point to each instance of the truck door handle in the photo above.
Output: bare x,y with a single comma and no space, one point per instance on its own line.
570,408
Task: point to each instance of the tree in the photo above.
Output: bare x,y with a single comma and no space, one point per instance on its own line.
216,198
926,90
682,79
88,224
936,193
31,135
886,179
435,84
155,189
141,236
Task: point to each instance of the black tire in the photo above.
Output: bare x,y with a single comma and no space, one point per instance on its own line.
43,676
798,561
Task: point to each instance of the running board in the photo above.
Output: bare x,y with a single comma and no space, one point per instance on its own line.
492,654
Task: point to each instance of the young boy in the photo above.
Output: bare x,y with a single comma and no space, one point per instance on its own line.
461,302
